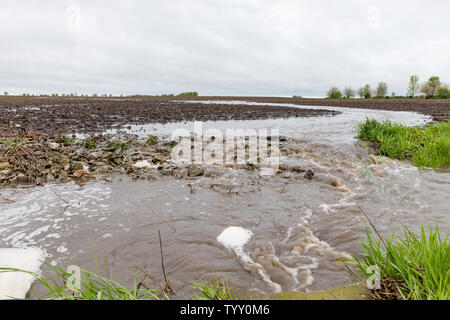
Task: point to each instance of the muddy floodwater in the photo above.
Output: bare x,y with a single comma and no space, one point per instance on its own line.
288,234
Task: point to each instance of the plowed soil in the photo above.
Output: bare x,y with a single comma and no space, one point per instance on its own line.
58,116
62,115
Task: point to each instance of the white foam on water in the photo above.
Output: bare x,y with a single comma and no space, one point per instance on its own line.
235,237
17,284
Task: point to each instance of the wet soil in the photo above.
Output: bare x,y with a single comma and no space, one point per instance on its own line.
58,116
438,109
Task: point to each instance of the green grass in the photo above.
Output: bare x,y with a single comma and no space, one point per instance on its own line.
152,140
117,144
217,291
64,140
89,143
93,287
171,144
424,147
13,144
421,262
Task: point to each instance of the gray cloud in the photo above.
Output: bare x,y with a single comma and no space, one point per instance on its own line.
220,47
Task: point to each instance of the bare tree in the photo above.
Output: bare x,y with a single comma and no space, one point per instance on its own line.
367,92
382,90
431,87
413,86
334,93
361,92
349,93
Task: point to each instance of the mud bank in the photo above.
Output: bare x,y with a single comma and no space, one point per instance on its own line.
38,159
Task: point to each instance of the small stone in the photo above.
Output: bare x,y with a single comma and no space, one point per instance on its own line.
95,155
104,169
22,178
6,172
64,160
309,174
195,171
336,182
4,165
381,159
117,161
80,174
53,146
63,175
77,165
142,164
298,169
107,155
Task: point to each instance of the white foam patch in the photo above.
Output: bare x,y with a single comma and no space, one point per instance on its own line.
235,237
17,284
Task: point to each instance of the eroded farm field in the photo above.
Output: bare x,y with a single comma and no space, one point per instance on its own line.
117,190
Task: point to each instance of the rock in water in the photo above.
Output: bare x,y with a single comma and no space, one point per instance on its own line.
336,182
17,284
142,165
80,174
309,174
381,159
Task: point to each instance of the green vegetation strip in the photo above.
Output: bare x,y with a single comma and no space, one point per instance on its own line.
62,286
424,147
92,287
415,267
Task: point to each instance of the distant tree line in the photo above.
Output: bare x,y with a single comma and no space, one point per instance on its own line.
95,95
431,89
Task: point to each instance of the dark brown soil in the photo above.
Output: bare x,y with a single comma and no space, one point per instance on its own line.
390,290
62,115
58,116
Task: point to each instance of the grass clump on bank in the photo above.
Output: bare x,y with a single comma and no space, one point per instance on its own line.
424,147
412,268
216,291
92,287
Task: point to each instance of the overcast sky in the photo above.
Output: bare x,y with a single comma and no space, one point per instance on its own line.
220,47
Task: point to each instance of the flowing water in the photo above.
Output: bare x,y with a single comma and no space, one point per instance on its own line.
267,233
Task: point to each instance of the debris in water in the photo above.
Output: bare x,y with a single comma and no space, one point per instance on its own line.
309,174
